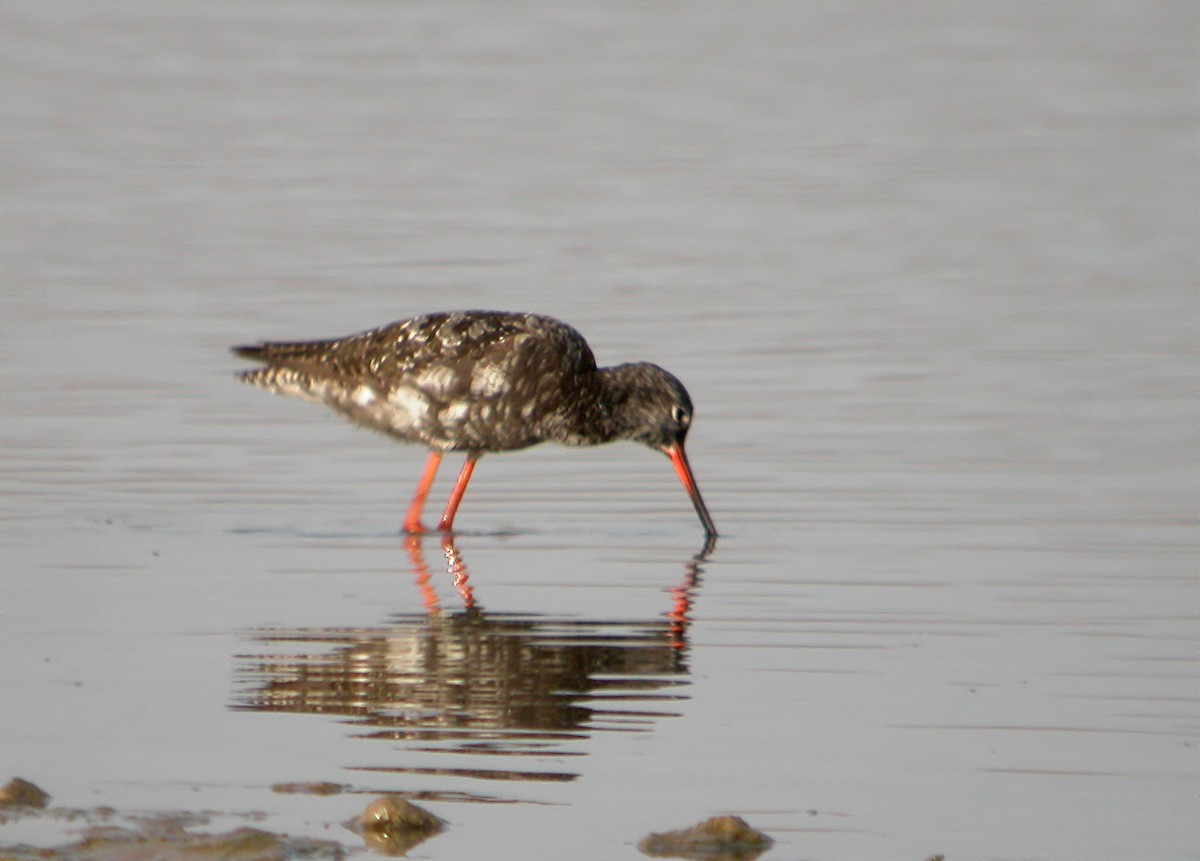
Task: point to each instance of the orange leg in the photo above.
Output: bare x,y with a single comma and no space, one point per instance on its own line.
412,522
456,495
417,560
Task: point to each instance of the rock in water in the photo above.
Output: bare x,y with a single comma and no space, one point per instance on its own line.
22,793
721,838
394,825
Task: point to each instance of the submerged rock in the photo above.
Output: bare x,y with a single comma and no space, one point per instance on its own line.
22,793
721,838
254,843
392,825
163,840
309,788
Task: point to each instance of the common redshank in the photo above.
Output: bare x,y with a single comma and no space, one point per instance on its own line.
482,381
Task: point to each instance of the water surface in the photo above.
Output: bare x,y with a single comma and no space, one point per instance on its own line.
928,273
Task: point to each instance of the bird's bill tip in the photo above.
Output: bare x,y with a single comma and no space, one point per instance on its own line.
684,470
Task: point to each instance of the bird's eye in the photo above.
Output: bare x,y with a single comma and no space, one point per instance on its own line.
680,416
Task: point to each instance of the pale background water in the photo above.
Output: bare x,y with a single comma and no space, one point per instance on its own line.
929,272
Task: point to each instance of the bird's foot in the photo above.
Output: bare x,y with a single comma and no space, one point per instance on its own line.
418,528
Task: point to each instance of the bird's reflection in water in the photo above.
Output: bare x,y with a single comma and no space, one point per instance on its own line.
471,682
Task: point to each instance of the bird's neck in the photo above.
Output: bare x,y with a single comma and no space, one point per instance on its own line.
597,412
616,402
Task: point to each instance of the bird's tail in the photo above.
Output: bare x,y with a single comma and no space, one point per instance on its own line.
285,351
285,380
288,370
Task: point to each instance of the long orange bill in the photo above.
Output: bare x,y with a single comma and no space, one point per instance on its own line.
684,470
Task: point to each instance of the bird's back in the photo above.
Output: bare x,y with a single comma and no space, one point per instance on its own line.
478,380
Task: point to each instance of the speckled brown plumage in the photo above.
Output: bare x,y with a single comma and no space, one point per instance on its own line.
482,381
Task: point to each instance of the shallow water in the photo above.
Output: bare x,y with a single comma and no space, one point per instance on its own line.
929,274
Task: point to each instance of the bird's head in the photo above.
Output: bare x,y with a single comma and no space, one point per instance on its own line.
652,407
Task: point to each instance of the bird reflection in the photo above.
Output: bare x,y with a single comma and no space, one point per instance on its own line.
454,565
470,682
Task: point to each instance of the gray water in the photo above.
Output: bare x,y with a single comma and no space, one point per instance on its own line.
928,270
